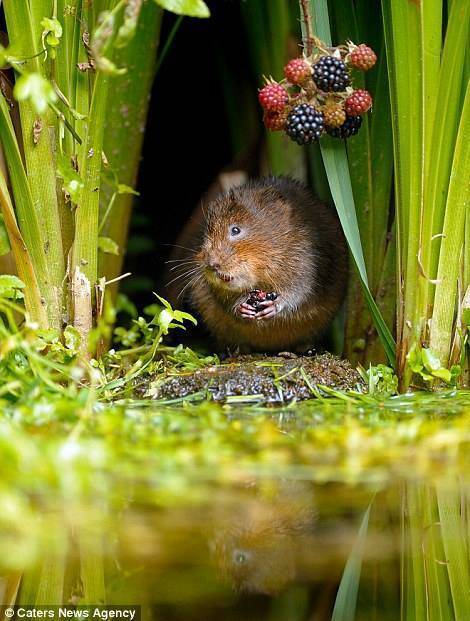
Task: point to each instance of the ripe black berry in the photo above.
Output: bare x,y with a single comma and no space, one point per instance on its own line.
330,74
350,127
304,124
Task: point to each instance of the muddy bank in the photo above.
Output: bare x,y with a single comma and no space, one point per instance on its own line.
273,379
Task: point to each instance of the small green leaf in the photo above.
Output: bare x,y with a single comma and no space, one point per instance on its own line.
36,89
4,241
108,245
164,320
127,31
191,8
415,360
443,374
126,189
72,338
11,287
51,34
73,183
124,305
107,66
430,360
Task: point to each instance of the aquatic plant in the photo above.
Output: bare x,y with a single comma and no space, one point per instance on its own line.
75,90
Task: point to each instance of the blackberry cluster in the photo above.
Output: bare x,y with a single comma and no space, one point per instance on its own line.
257,296
317,96
330,74
349,128
304,124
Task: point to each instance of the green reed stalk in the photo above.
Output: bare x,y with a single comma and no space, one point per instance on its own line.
39,158
125,118
426,97
452,244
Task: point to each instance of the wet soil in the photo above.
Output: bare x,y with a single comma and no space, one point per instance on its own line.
268,379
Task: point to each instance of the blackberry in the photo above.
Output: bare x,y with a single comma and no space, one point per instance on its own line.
304,124
257,296
330,74
334,114
358,103
273,97
297,71
349,128
363,57
274,121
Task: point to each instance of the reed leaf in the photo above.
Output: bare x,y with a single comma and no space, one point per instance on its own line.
33,299
450,502
452,244
441,134
337,170
121,143
40,164
346,597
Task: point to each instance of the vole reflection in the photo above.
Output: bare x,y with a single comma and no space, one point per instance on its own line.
257,544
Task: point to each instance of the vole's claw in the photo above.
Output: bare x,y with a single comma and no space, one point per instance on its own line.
246,311
269,309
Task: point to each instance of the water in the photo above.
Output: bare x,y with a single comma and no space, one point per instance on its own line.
349,508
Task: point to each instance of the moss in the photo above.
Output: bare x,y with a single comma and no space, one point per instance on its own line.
273,379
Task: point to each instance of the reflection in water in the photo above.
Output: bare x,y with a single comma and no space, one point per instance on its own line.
273,550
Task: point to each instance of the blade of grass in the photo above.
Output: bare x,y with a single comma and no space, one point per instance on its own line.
346,598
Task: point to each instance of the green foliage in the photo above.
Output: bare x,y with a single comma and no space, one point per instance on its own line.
33,87
192,8
425,362
11,287
381,380
4,241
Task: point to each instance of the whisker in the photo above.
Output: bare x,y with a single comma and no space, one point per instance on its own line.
175,267
193,281
179,260
187,273
179,246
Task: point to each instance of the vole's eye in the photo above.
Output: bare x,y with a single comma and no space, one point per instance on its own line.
235,230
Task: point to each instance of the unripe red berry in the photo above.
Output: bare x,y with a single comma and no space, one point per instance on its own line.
363,57
358,103
297,71
273,97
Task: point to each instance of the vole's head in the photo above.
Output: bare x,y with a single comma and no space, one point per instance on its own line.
244,228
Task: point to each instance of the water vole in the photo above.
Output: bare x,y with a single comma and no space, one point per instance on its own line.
269,234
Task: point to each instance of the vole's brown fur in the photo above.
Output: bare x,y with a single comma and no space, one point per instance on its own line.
289,243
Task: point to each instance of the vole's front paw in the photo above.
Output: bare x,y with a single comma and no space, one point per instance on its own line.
269,309
245,311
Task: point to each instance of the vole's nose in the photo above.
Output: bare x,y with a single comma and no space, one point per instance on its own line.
213,264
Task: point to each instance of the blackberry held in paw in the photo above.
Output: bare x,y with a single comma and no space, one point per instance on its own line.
271,267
